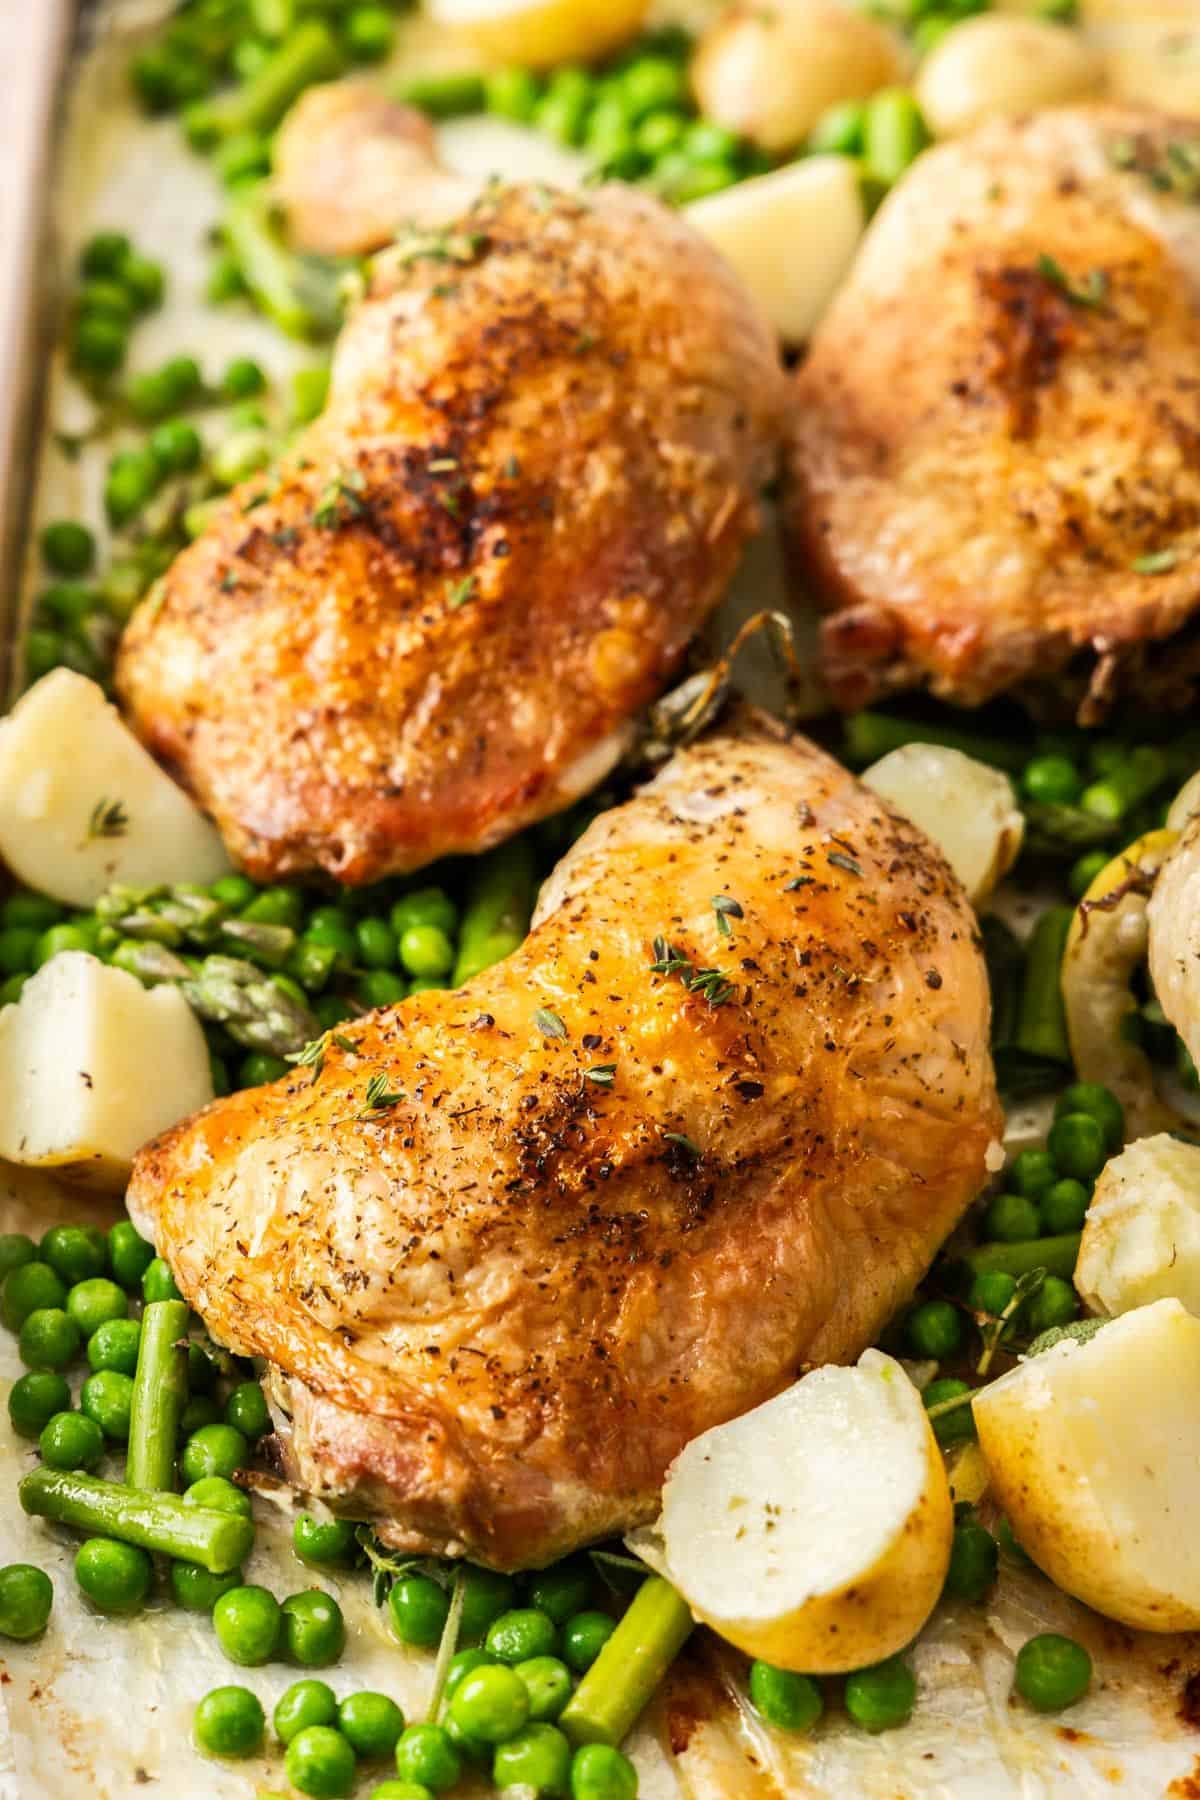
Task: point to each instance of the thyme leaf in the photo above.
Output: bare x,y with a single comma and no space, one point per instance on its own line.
108,820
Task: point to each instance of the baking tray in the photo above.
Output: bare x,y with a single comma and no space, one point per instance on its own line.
100,1708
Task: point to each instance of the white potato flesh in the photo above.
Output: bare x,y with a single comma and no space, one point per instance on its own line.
968,809
769,72
994,67
1141,1237
541,33
93,1065
779,1532
1093,1453
790,235
82,804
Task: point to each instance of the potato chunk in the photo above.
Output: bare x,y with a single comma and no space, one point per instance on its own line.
93,1065
993,67
779,1532
1141,1238
82,804
968,809
1093,1449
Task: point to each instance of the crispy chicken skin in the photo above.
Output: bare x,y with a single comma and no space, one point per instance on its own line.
352,167
999,421
594,1212
547,431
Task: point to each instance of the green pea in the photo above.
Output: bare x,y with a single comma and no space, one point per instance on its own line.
276,906
15,1251
401,1790
791,1702
114,1346
68,547
426,1756
934,1329
652,83
71,1440
148,396
537,1759
1078,1144
201,1410
30,1287
305,1703
659,133
202,1370
158,1283
584,1637
258,1068
1032,1173
219,1494
93,1303
512,93
376,944
49,1339
70,603
563,109
33,910
707,141
133,476
229,1722
369,33
106,299
1099,1103
1052,781
1055,1303
248,1625
881,1697
176,446
424,906
145,280
183,380
486,1594
236,891
336,935
562,1590
26,1596
601,1773
418,1607
43,652
974,1556
1064,1207
326,1542
490,1704
548,1684
956,1426
115,1577
463,1663
520,1634
196,1590
34,1399
75,1252
991,1292
380,987
107,1397
98,344
103,254
1052,1672
247,1411
426,951
320,1762
213,1450
314,1631
1011,1219
52,943
371,1724
129,1255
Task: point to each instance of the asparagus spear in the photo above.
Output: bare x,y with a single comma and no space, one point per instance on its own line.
310,54
607,1701
496,918
1042,1018
218,1541
255,1010
870,735
1057,1255
160,1387
301,293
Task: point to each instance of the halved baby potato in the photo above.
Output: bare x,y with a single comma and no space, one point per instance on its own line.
540,33
83,805
968,809
815,1531
1093,1450
790,235
1141,1237
993,67
93,1065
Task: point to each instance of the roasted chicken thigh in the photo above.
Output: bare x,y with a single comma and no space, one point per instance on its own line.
997,432
433,622
507,1249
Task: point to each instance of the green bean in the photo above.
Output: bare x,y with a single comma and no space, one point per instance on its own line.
159,1395
1042,1019
623,1677
870,735
218,1541
495,920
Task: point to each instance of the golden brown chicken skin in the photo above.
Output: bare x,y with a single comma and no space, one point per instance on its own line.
433,623
996,466
509,1248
